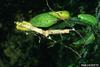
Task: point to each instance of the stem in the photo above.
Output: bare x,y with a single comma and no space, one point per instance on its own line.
25,26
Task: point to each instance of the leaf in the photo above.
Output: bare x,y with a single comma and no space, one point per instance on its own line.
43,20
49,18
98,26
58,26
87,19
63,24
61,14
89,38
71,65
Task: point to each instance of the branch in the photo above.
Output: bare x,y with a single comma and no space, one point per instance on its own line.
26,26
48,32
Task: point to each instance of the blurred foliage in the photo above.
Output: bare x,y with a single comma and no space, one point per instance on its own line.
29,49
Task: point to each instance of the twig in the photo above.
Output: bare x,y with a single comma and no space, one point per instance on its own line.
49,6
26,26
74,51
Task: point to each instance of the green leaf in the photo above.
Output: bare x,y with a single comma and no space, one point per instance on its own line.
89,38
49,18
87,19
43,20
63,24
71,65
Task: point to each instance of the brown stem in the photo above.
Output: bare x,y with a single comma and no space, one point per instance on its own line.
25,26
